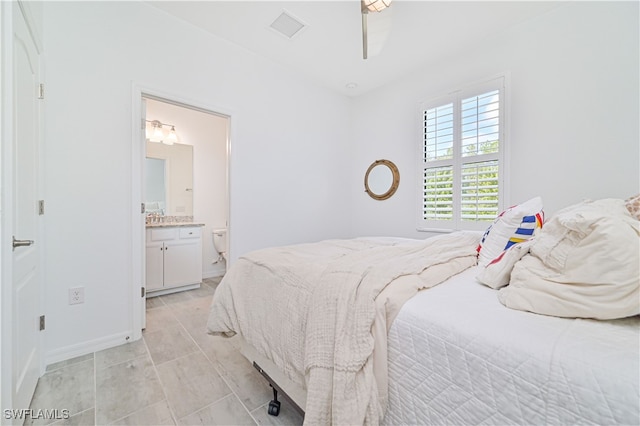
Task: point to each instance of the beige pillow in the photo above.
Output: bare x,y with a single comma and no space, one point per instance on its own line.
633,205
585,263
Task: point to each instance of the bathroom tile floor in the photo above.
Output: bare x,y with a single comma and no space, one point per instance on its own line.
176,374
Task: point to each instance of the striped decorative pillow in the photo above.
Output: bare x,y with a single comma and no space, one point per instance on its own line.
498,272
527,228
514,225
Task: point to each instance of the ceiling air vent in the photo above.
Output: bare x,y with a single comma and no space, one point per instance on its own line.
287,25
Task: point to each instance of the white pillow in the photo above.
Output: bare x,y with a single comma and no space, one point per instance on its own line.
514,225
498,272
583,264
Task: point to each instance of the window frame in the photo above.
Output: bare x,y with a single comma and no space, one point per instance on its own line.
499,83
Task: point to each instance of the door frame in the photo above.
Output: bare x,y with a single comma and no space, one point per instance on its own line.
7,132
6,203
138,153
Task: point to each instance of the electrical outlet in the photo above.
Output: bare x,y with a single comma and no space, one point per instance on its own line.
76,295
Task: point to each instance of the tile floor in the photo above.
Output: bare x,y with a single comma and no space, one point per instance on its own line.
176,374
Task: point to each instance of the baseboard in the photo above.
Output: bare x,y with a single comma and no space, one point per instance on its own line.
162,292
79,349
215,272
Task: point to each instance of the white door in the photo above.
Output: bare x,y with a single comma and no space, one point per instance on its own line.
26,309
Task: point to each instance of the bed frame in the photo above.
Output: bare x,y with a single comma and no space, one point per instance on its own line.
280,384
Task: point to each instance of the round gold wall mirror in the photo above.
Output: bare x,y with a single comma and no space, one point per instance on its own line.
381,180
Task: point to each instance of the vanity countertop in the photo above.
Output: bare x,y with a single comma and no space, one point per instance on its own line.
173,224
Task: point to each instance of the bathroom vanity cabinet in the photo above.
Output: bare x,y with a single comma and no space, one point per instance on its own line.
173,258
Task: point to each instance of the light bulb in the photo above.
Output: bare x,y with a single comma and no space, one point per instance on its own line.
156,134
171,137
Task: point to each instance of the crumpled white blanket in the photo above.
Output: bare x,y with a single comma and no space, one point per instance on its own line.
310,308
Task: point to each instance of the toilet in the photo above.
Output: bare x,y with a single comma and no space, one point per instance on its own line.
220,243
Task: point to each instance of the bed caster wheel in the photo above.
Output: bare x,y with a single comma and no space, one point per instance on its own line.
274,408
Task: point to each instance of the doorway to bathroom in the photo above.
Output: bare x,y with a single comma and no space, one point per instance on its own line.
194,184
183,158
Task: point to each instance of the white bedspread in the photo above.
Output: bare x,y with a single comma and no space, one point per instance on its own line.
310,309
457,356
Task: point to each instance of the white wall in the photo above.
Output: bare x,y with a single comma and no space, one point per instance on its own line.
573,113
299,152
207,133
287,172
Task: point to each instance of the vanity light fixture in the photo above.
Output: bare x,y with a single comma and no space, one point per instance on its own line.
157,133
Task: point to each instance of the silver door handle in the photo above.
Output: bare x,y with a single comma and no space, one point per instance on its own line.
21,243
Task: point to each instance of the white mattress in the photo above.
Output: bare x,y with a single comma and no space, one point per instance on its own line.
458,356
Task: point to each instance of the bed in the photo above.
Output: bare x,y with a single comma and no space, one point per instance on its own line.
398,331
458,356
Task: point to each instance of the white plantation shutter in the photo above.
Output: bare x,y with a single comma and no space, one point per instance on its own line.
438,193
480,123
462,159
438,133
479,191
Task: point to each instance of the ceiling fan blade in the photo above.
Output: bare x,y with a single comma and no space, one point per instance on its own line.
376,31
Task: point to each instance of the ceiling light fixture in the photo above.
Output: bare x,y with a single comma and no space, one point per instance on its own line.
156,133
367,6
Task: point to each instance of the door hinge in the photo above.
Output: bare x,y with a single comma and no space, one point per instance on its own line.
40,207
41,91
142,208
142,292
41,322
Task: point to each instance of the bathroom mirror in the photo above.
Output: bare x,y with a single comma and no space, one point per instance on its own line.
381,180
169,179
155,186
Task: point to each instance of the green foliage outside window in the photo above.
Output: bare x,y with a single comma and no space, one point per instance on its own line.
479,188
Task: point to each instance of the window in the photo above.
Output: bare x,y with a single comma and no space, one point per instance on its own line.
462,152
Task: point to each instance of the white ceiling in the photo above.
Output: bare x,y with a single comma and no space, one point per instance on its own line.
407,36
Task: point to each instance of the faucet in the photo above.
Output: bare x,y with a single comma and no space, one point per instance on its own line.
153,218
